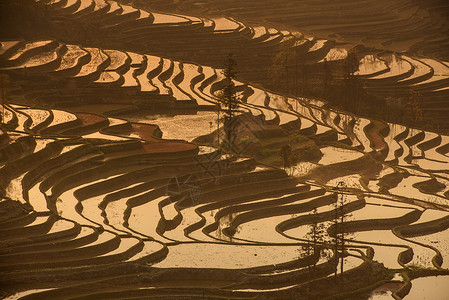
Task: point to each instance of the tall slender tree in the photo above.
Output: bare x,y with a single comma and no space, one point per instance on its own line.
340,238
352,83
229,97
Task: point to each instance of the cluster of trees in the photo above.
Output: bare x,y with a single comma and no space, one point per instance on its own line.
289,159
23,18
31,20
318,240
288,72
337,84
405,110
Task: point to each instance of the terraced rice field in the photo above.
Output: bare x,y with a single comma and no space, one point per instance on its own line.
114,183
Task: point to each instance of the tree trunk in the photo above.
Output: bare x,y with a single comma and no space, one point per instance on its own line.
218,125
336,255
342,259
